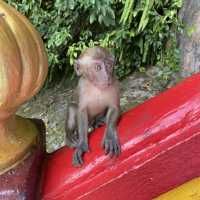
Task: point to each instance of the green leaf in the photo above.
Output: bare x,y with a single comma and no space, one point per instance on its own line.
127,11
111,12
92,18
144,18
103,9
71,4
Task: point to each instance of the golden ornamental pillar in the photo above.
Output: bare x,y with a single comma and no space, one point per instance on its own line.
23,69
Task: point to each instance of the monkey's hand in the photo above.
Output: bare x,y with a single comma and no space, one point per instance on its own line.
78,154
111,142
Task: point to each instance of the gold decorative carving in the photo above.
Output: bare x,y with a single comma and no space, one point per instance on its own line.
23,69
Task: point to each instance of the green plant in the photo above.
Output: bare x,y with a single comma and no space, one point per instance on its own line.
135,30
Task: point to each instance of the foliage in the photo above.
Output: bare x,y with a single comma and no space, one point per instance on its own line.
135,30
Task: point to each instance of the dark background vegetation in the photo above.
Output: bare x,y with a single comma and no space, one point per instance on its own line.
139,32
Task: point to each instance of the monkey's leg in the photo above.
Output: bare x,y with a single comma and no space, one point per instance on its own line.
71,135
111,141
82,146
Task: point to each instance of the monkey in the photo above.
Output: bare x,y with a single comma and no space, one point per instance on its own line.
97,102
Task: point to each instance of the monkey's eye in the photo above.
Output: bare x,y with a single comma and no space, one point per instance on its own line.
98,67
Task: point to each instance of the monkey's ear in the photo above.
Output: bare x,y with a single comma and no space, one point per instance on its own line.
114,61
77,67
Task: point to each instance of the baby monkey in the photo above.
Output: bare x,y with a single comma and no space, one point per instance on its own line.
98,102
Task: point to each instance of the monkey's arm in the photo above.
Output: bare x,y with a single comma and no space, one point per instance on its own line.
111,140
82,147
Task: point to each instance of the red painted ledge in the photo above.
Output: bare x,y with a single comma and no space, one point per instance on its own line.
160,150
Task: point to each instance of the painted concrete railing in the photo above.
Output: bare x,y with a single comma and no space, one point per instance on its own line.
160,150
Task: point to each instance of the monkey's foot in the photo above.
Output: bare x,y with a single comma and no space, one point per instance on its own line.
99,121
78,154
111,145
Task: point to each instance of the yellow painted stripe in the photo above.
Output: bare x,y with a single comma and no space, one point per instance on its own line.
187,191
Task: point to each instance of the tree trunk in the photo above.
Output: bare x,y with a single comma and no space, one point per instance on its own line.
189,40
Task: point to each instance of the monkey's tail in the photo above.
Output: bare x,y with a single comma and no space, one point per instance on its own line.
71,139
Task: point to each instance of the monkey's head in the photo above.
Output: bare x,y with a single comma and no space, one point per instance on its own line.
96,64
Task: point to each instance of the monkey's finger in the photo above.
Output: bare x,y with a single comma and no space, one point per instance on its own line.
76,159
111,148
103,143
106,147
74,139
117,149
80,157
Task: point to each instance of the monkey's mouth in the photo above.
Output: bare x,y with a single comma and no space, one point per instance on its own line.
102,86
